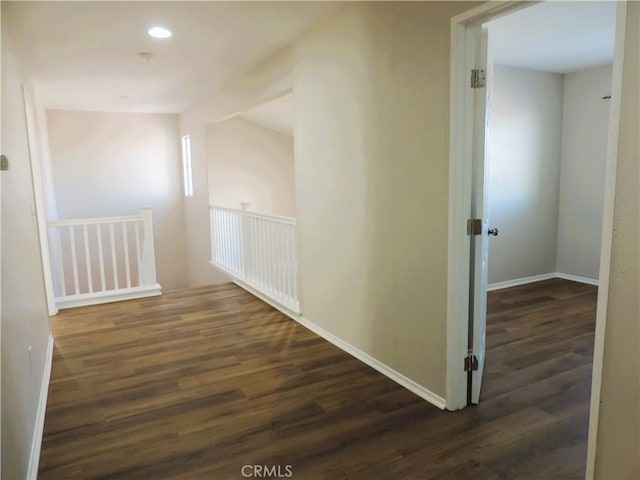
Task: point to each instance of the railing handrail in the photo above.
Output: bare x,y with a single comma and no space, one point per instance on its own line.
277,218
72,222
101,259
259,251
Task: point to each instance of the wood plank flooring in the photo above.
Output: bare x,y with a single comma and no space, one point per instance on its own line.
200,382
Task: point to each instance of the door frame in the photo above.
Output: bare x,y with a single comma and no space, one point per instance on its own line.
460,147
40,213
460,178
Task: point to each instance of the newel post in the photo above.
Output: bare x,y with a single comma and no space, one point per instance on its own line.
148,260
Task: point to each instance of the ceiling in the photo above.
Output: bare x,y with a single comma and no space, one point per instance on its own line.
84,54
276,114
555,36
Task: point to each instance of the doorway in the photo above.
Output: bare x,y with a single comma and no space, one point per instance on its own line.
466,345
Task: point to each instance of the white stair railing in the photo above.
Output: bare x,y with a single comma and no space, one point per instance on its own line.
259,251
105,259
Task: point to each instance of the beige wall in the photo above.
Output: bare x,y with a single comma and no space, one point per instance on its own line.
250,163
618,442
584,153
371,181
24,317
108,164
524,172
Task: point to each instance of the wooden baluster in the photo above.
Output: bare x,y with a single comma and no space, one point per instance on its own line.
74,259
136,227
225,240
87,258
125,245
287,259
294,263
103,283
263,250
215,243
114,263
279,227
63,285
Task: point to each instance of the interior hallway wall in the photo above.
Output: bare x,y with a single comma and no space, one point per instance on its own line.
372,166
250,163
24,316
582,173
112,164
524,172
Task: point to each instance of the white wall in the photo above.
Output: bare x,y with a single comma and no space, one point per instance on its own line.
584,153
250,163
24,317
524,171
618,440
108,164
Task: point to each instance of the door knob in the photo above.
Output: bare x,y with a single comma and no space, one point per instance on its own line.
494,232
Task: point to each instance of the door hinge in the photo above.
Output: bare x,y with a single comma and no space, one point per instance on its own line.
474,226
478,78
470,363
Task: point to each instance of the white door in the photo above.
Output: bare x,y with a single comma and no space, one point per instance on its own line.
479,235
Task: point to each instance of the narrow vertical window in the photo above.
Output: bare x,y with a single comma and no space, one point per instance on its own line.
186,166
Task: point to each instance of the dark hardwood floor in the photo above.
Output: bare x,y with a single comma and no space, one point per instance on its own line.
198,383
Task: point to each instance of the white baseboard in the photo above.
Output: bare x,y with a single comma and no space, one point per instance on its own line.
38,430
387,371
294,314
520,281
539,278
288,311
576,278
97,298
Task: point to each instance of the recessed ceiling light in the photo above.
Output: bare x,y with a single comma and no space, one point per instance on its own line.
159,32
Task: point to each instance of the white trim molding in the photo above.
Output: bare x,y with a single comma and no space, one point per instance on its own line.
38,429
607,233
289,312
384,369
460,146
539,278
97,298
520,281
577,278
